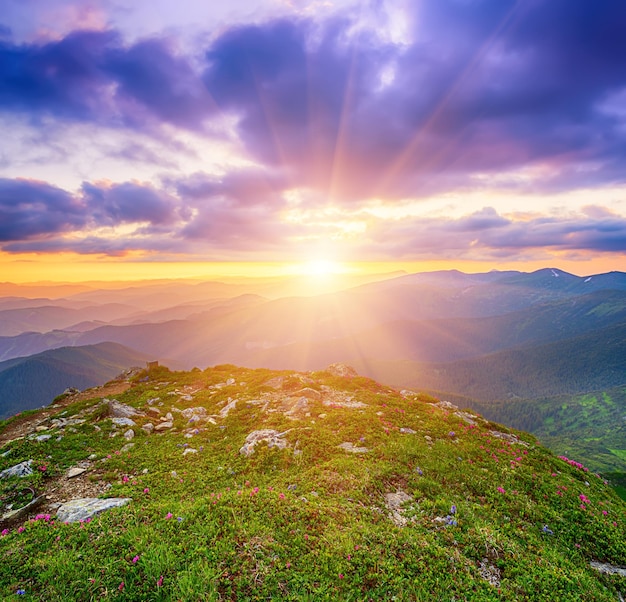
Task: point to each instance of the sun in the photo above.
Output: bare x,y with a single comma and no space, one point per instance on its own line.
322,267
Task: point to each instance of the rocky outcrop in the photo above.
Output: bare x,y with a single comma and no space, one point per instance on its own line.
81,509
23,469
271,437
342,370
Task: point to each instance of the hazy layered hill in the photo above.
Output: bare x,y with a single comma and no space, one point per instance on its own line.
30,382
241,484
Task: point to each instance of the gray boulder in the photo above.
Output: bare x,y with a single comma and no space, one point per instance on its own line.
83,508
23,469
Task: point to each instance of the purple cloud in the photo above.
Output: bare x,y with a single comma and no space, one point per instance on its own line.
29,208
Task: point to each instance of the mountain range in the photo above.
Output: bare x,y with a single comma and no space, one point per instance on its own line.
493,338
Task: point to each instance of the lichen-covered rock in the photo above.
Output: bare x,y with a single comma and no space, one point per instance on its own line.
121,410
83,508
23,469
163,426
272,437
342,370
121,421
394,503
350,447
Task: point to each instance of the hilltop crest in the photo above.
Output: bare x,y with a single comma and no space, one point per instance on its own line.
232,483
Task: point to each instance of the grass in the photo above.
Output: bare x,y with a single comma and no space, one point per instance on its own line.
313,525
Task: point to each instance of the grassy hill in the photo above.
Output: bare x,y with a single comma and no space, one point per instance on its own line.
30,382
353,492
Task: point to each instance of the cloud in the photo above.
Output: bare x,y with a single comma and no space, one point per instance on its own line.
129,202
31,208
93,76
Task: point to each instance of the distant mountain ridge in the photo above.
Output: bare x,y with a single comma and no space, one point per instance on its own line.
30,382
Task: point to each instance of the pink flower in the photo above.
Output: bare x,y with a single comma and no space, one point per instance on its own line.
4,532
146,490
340,575
603,512
281,496
169,515
160,581
288,565
121,586
501,490
135,559
21,529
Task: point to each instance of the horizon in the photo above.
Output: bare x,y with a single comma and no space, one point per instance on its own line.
269,137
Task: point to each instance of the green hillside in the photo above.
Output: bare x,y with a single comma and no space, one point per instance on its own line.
351,492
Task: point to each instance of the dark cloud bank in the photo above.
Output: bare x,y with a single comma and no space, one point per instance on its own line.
483,88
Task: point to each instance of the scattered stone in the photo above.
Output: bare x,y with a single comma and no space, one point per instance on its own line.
407,431
23,469
489,572
121,421
349,447
121,410
446,405
41,428
93,457
154,411
276,382
394,502
75,471
148,428
342,370
169,417
310,394
228,407
42,438
465,416
163,426
21,512
6,453
129,434
272,437
230,381
198,413
429,439
84,508
608,569
514,439
127,447
190,450
407,393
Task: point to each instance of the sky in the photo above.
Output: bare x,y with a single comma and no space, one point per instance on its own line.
159,137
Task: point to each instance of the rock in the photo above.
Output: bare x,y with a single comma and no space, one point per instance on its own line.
169,417
42,438
148,428
489,572
446,405
121,410
608,569
276,382
75,471
342,370
394,502
129,434
93,457
154,411
509,438
407,431
228,407
121,421
272,437
163,426
429,439
83,508
127,447
198,413
230,381
407,393
349,447
23,469
41,428
21,512
190,450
